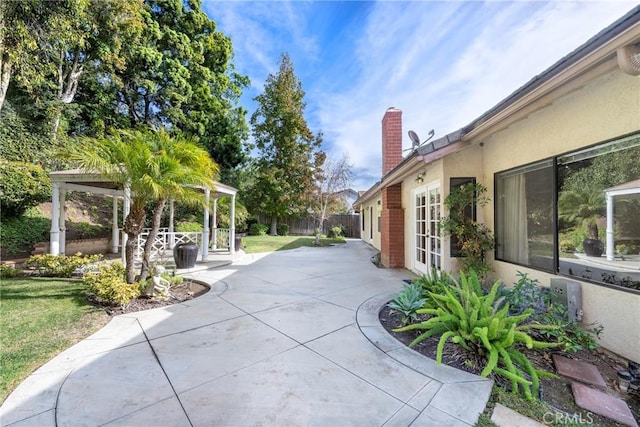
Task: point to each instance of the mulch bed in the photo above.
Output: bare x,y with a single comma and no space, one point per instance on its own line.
179,292
556,392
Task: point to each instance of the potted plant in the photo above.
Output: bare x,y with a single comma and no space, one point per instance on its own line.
587,207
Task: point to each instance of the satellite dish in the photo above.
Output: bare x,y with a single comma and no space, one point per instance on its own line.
415,139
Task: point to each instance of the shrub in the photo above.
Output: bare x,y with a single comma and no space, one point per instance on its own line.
283,229
527,294
189,226
436,281
8,271
109,286
626,249
408,300
22,185
60,265
86,230
469,318
258,229
335,231
572,241
19,234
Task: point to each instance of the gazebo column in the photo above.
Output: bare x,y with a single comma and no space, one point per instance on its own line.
172,236
115,232
54,235
205,230
610,234
126,208
62,239
232,225
215,224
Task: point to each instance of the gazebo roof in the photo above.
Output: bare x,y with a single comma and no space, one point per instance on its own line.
631,187
94,182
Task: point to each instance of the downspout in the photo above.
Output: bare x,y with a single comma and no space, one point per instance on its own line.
629,59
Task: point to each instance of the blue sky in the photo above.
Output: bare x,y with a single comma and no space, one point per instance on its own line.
443,63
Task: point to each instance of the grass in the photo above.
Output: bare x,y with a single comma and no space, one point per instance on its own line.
255,244
40,318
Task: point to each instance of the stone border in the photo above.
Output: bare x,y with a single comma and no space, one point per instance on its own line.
369,323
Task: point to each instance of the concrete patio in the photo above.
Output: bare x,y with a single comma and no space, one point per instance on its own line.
283,339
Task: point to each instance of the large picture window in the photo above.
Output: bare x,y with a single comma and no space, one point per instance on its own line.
577,214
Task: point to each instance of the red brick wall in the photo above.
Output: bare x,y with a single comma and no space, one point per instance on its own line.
392,228
391,140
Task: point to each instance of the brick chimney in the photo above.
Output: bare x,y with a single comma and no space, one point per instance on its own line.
391,139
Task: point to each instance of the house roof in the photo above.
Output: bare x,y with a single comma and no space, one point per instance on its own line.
425,152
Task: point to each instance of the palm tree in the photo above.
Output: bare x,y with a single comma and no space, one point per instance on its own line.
156,167
583,205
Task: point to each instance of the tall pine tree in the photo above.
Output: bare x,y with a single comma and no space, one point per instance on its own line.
288,150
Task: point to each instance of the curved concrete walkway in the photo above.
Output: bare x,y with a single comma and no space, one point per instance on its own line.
284,339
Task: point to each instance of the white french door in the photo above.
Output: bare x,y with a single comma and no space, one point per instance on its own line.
427,241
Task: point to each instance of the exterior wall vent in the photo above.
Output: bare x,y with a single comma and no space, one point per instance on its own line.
569,294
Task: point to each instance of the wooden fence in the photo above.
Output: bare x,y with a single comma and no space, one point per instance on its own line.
306,226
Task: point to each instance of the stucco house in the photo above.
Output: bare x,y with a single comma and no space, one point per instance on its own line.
573,129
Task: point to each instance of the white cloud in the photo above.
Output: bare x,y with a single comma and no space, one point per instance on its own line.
442,63
445,67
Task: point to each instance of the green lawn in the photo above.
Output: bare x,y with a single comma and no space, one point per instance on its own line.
255,244
40,318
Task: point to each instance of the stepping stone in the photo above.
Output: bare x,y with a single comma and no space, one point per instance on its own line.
603,404
577,370
506,417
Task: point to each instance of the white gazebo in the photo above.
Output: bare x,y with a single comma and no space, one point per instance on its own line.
626,189
88,182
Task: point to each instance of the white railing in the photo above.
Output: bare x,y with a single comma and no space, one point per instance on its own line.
165,241
220,240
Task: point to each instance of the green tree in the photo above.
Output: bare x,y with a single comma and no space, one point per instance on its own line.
22,185
585,206
284,170
89,35
157,167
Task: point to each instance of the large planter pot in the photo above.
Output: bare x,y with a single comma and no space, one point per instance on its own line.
593,247
238,241
185,254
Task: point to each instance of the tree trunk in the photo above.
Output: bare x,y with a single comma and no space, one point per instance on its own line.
274,226
5,76
128,258
155,226
133,225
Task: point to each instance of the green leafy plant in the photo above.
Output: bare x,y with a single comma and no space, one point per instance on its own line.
109,285
336,231
282,229
408,301
22,185
86,230
60,265
19,234
527,294
8,271
258,229
189,226
436,281
474,238
470,318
